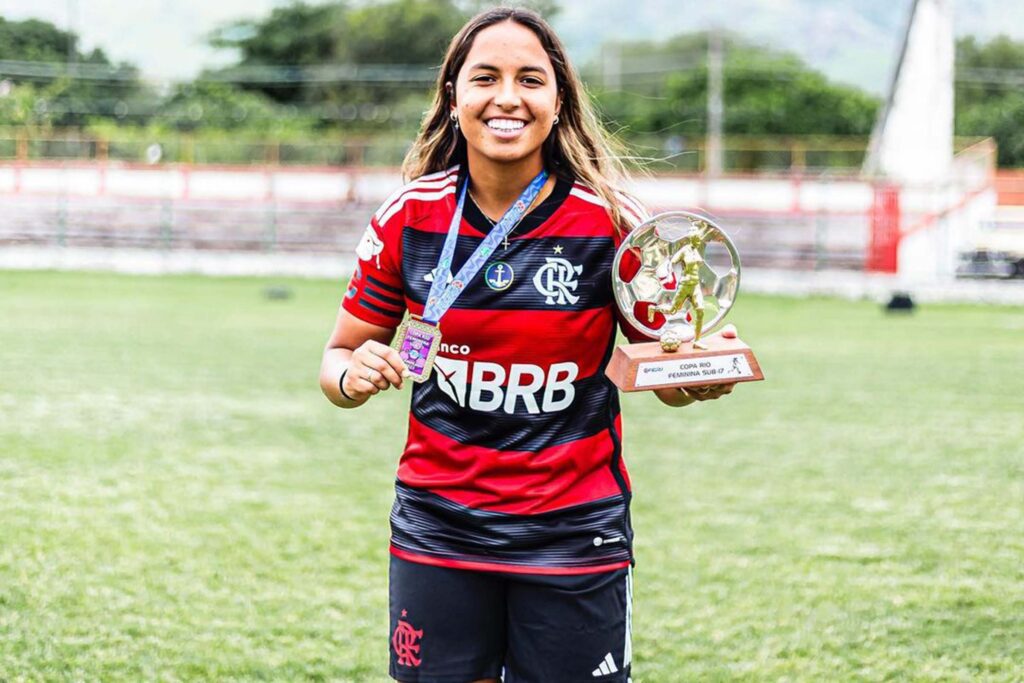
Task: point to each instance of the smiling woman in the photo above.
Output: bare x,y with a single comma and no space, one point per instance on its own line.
506,69
506,101
511,542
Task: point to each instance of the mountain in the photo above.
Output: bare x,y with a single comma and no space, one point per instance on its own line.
852,41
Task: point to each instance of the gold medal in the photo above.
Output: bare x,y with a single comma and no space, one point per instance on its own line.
417,342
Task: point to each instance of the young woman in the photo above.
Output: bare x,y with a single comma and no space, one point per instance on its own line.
511,543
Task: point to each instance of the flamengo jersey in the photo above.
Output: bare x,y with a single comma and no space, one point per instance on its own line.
513,460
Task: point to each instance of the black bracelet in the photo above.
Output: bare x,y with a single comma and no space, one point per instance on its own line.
341,385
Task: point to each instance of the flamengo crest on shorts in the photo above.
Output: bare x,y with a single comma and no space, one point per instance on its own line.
405,642
513,459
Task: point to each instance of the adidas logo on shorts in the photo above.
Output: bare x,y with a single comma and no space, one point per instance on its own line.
607,667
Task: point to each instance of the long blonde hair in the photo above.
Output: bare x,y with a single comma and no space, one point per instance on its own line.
578,147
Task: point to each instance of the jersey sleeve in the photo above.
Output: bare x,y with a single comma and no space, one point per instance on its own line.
375,293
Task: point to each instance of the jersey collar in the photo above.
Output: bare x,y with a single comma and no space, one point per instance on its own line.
471,212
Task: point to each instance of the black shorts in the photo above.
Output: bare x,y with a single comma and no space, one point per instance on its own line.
457,626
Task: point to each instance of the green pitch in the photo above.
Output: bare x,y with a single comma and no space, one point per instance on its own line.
178,502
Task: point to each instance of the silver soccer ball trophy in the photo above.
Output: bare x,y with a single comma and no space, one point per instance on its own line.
675,277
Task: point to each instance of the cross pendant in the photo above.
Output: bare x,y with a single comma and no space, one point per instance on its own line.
505,244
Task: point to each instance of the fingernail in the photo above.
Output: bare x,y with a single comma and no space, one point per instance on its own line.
406,374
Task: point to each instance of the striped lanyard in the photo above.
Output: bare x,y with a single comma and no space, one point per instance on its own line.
445,288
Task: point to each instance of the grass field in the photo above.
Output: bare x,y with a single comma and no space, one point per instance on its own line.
178,502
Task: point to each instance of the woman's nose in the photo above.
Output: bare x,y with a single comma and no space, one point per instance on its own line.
508,95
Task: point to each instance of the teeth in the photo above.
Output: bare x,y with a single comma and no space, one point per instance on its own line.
505,124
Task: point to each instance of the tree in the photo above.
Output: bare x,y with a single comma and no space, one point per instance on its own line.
990,94
224,107
48,66
396,32
33,40
293,35
766,92
400,32
409,35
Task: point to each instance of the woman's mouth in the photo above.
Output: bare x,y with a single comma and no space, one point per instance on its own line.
506,128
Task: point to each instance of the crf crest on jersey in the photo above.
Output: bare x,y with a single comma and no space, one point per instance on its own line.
556,280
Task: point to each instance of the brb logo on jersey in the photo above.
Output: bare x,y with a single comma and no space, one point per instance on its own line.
556,280
488,387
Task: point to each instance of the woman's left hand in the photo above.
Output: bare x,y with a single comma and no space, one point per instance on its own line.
677,397
707,393
684,396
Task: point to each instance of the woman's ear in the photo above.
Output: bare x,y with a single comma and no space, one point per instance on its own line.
450,91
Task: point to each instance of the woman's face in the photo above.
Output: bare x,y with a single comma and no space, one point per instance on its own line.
506,96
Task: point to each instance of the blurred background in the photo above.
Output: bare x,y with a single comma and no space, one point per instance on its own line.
276,127
183,183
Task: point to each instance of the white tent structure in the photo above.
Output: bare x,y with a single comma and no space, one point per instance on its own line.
913,138
932,208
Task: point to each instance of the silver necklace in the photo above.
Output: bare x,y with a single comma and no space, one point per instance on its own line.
504,244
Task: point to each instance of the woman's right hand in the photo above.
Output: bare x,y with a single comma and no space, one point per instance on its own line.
374,367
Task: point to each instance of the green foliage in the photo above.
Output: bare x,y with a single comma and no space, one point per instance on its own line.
661,92
989,96
400,32
295,34
66,101
180,502
19,107
206,104
33,40
766,92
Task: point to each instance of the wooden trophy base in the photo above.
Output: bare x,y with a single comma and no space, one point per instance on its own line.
642,367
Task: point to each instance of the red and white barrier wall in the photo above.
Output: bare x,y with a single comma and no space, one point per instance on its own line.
910,230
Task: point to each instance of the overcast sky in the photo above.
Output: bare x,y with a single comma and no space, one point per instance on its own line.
167,38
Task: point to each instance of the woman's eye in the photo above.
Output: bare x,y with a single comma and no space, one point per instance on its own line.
483,79
532,81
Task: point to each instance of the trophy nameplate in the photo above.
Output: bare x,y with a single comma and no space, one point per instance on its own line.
675,277
642,367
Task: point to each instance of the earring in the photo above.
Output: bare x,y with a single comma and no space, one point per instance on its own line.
455,119
555,122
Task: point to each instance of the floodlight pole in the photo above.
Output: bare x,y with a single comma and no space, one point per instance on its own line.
713,163
72,21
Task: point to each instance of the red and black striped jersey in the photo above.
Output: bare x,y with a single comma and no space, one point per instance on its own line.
513,460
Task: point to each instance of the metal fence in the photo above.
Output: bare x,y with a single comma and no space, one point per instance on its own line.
660,153
175,224
70,145
795,218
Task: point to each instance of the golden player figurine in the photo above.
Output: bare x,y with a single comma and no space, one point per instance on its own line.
689,286
683,265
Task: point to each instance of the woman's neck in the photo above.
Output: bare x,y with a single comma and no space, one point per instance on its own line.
496,186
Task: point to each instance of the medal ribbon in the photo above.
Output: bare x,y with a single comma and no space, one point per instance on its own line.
444,293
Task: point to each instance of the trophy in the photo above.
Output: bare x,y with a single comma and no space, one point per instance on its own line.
675,277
